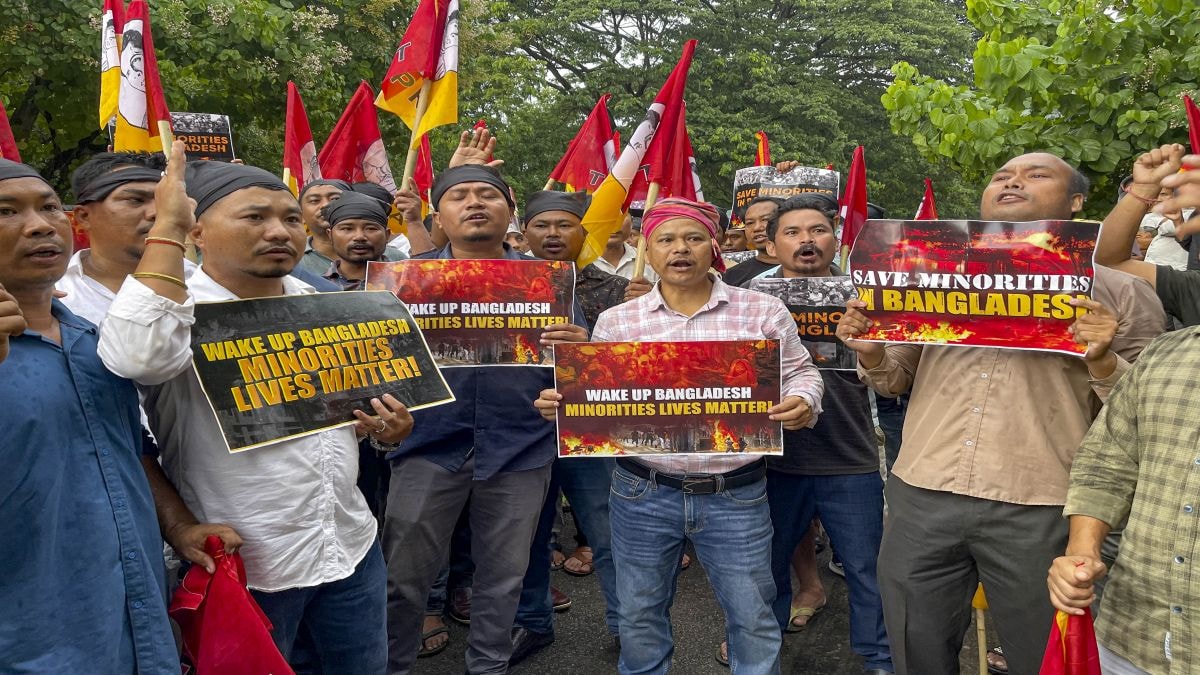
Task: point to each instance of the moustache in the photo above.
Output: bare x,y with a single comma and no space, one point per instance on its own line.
805,249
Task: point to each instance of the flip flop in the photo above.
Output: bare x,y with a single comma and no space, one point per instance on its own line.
557,560
424,652
721,657
809,612
586,566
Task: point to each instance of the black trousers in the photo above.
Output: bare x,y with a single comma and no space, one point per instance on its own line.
936,547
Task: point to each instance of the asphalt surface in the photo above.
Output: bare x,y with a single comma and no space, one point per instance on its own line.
583,646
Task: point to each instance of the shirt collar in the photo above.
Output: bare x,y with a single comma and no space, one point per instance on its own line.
446,253
65,316
718,296
205,289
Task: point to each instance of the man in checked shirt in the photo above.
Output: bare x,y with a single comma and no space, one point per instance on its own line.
724,509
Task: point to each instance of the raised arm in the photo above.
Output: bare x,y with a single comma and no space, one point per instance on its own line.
1121,225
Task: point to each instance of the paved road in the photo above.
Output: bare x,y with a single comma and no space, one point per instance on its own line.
583,646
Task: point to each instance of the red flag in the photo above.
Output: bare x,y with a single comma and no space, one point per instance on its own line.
299,151
657,165
762,155
482,124
423,171
1193,118
592,153
685,179
1071,649
928,208
141,104
354,151
8,144
416,63
224,630
853,208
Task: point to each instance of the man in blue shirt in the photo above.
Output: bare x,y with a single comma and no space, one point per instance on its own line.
84,587
490,445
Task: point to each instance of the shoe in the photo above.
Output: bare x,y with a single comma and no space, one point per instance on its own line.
997,663
836,568
526,643
460,606
561,601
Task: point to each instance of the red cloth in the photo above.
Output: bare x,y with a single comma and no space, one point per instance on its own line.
592,152
423,171
762,155
854,199
928,208
661,161
482,124
156,101
1071,649
8,144
298,142
417,55
1193,118
672,208
224,630
356,131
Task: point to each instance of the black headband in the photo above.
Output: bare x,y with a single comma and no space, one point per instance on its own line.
10,169
469,173
103,185
356,205
373,190
339,184
575,203
209,182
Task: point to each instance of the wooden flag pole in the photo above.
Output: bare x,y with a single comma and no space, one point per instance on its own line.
549,184
979,603
414,146
639,263
165,136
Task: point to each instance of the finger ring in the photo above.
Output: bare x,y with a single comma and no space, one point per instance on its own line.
382,428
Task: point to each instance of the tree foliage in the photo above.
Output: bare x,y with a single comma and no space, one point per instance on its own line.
1095,82
809,72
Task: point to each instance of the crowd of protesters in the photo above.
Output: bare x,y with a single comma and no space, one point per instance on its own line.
358,541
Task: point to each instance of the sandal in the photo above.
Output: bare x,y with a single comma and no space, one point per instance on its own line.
808,612
685,562
723,654
584,565
557,560
432,651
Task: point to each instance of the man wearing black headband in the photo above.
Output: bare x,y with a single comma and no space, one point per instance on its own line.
85,588
114,197
488,446
358,231
318,250
553,226
310,540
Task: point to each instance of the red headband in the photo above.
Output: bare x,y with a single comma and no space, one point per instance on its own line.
673,207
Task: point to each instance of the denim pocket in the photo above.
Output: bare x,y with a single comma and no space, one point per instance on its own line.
627,486
748,495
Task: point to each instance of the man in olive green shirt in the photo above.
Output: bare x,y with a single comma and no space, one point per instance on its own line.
1140,464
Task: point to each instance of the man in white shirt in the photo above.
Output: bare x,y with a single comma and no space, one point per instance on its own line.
310,541
620,258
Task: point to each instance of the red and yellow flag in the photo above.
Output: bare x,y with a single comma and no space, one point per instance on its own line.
607,211
928,208
423,174
141,104
8,144
1071,649
354,151
1193,118
112,23
427,55
592,154
762,154
299,150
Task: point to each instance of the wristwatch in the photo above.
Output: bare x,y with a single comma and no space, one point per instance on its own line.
380,446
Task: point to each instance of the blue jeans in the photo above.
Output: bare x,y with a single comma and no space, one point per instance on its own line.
731,532
346,619
891,421
585,482
851,509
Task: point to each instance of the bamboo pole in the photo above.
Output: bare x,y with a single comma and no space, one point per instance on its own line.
639,263
549,184
414,146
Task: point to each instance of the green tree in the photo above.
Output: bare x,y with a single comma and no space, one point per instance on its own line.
1095,82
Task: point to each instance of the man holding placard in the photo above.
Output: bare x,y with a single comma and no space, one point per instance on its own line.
979,485
310,541
488,446
719,502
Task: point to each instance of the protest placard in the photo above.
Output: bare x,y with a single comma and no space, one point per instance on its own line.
281,367
205,135
667,398
482,312
975,283
817,304
765,181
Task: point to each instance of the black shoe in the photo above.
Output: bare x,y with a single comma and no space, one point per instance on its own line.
526,643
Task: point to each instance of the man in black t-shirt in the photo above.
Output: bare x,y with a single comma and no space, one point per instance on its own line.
832,470
758,212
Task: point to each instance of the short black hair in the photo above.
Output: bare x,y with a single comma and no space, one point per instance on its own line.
814,201
762,199
105,162
1079,183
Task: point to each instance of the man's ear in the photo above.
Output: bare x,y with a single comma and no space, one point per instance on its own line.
771,248
1077,202
82,216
